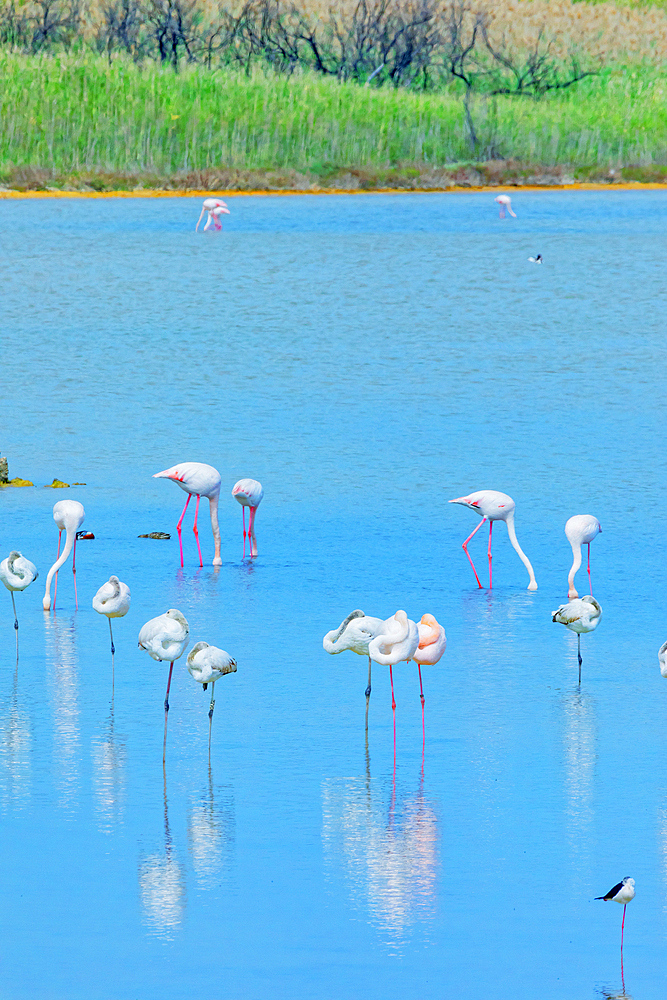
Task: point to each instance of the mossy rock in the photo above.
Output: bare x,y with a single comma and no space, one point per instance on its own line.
18,482
57,484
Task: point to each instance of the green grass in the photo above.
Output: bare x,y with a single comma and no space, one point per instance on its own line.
74,115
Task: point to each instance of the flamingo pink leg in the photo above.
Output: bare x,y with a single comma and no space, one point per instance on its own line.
178,527
166,712
201,561
55,589
393,708
76,596
243,509
421,695
490,576
590,586
464,547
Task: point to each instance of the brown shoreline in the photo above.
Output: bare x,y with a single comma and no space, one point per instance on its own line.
454,189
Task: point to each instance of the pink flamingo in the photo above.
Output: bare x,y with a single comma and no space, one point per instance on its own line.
432,644
580,530
249,493
505,202
495,506
69,515
202,481
215,208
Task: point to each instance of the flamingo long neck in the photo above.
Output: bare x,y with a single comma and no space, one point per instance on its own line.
69,542
576,563
519,551
213,503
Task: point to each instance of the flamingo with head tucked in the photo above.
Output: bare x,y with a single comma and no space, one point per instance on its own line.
580,530
199,480
112,600
432,644
17,573
494,506
207,664
165,638
69,515
397,641
355,633
249,493
505,202
580,615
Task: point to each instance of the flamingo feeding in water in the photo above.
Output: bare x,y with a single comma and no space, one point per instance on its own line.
165,638
355,633
207,664
112,600
494,506
580,615
249,493
505,202
69,515
580,530
202,481
17,573
215,208
397,641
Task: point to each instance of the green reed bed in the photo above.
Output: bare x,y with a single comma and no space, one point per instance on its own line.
68,114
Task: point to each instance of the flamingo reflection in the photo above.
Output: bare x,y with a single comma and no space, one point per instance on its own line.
387,850
62,663
579,746
15,746
211,836
162,885
109,754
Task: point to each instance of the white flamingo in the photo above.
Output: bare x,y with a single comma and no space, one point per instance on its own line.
165,638
17,573
505,202
207,664
215,207
69,515
580,615
249,493
580,530
354,633
494,506
199,480
397,641
112,600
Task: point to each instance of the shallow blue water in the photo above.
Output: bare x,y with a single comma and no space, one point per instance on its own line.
367,358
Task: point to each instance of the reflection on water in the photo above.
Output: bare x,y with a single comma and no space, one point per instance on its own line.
580,756
162,885
387,840
62,663
613,993
109,776
211,836
15,747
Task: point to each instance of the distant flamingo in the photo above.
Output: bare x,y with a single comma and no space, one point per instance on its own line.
662,659
17,573
112,600
202,481
165,638
69,515
215,207
494,506
580,615
505,202
355,633
580,530
432,644
397,641
249,493
207,664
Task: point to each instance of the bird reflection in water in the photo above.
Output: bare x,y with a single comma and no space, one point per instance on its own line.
613,993
580,755
15,742
62,659
162,885
109,775
211,835
387,841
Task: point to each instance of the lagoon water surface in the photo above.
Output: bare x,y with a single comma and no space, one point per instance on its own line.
367,359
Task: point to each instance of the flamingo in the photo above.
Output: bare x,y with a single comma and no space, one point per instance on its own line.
112,600
580,615
355,633
495,506
249,493
662,659
165,638
432,644
623,892
69,516
202,481
214,207
17,573
397,641
505,202
580,530
207,664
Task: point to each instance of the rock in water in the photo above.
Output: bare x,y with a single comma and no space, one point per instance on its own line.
155,534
